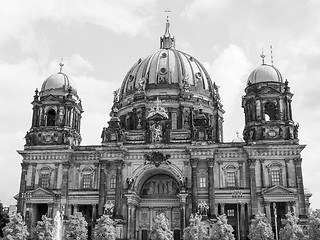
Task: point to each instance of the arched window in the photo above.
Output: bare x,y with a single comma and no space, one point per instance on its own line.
275,173
270,111
45,177
51,117
87,174
202,179
230,175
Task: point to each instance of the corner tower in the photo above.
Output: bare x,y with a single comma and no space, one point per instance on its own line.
267,107
57,113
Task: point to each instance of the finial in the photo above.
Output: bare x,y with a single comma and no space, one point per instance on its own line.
262,55
271,55
61,64
167,40
167,12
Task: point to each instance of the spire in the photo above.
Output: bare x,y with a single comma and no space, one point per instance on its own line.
61,64
262,55
167,40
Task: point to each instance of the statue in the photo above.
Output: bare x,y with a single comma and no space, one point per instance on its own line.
141,85
28,138
104,135
203,208
108,208
295,131
156,133
130,182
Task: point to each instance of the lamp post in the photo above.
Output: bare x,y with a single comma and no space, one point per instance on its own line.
238,194
275,219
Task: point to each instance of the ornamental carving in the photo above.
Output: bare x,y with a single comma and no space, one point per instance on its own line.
157,158
160,186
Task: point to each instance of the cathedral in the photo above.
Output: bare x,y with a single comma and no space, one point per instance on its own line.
163,151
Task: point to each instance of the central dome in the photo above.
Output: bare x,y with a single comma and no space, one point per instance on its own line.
167,70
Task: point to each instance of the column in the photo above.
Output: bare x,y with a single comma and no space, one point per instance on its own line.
241,175
24,170
253,186
222,208
216,209
210,164
129,209
261,172
118,200
287,172
33,176
219,172
194,184
243,233
301,197
50,209
183,220
56,170
102,188
268,209
174,118
94,212
95,181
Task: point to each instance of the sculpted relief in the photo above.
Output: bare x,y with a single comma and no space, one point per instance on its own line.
160,185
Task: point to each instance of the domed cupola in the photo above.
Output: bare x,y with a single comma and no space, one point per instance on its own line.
267,107
57,113
179,85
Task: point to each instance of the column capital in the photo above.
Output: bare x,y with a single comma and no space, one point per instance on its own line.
182,197
251,162
210,162
287,160
261,160
297,161
194,162
119,163
24,166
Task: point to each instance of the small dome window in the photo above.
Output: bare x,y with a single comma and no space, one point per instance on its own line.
131,77
198,75
163,70
163,55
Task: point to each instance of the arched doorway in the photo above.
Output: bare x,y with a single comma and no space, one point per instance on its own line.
158,194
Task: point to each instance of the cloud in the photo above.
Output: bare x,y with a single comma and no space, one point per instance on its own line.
19,19
197,7
230,71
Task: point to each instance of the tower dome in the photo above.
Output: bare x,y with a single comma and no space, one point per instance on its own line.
265,73
58,84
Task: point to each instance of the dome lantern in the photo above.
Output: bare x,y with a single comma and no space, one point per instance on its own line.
167,40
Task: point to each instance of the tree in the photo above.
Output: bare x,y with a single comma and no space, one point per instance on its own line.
16,229
260,228
196,230
291,229
44,228
221,229
76,227
160,229
105,229
4,219
314,225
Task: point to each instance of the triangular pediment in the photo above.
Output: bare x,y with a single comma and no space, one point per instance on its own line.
51,98
277,190
41,192
157,117
269,90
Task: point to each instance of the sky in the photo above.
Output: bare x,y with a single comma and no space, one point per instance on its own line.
100,40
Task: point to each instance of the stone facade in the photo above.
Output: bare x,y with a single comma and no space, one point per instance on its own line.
163,151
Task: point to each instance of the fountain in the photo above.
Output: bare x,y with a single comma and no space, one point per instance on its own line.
57,230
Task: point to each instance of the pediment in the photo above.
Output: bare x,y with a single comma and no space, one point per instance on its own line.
269,90
157,117
50,98
277,191
41,192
